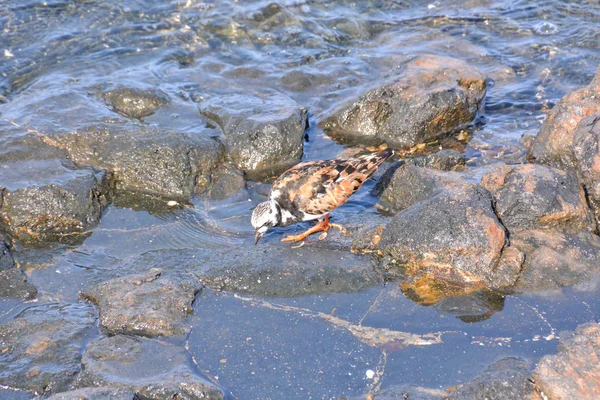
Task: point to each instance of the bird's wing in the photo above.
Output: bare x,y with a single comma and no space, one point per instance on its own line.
319,187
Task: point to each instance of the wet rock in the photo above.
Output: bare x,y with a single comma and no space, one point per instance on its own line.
586,150
13,282
150,304
279,270
431,96
40,348
45,200
537,196
453,235
446,160
574,372
100,393
226,181
130,364
263,134
408,185
406,392
555,259
553,144
506,379
145,159
135,102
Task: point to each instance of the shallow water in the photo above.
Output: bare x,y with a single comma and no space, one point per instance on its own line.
319,54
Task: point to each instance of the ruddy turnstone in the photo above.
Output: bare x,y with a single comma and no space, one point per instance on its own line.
311,190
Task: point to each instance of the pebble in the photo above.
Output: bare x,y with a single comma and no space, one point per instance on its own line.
370,374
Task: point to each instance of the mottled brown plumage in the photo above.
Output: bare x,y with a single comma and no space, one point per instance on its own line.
311,190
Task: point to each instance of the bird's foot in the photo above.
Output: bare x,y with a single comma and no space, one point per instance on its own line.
339,227
321,226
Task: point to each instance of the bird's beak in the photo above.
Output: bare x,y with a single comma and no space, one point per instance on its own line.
257,237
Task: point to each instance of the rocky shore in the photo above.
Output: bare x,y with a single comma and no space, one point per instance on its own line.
456,236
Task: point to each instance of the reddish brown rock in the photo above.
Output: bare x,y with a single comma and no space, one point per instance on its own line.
586,149
553,144
555,259
431,96
537,196
454,236
574,372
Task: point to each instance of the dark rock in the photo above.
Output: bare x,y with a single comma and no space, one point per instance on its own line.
506,379
13,282
431,96
446,160
554,259
100,393
453,235
574,372
537,196
406,392
45,200
135,102
263,134
408,185
131,364
553,144
279,270
586,150
40,348
150,304
144,159
226,181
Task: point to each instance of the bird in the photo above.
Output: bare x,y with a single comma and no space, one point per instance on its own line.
311,190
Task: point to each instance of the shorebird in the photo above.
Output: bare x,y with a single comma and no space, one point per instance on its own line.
311,190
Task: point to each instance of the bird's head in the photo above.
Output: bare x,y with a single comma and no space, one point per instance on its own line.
264,216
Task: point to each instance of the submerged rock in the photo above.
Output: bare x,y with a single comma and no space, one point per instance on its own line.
44,200
131,364
150,304
431,96
554,143
144,159
135,102
506,379
100,393
537,196
574,372
40,348
263,134
13,282
279,270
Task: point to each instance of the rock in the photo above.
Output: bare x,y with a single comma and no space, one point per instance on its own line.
506,379
44,200
40,348
537,196
453,235
555,259
150,304
279,270
446,160
431,96
13,282
263,133
226,181
586,150
553,144
100,393
574,372
135,102
131,364
408,185
406,392
144,159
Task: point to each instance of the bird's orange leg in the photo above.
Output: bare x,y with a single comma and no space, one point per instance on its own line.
321,226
